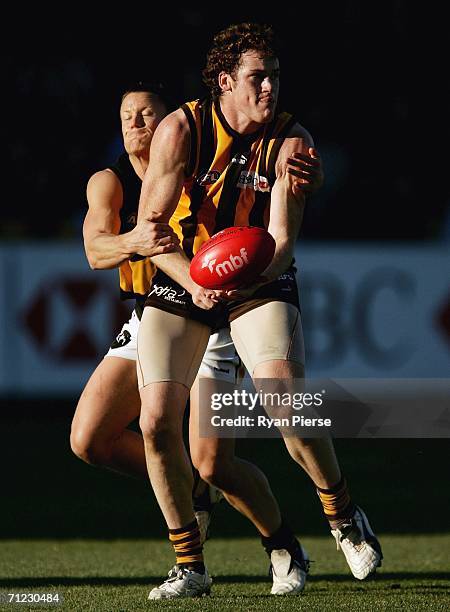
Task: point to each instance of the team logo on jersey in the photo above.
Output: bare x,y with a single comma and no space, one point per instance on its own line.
240,159
253,180
132,219
208,178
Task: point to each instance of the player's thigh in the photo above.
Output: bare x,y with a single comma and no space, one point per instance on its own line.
110,400
170,349
271,332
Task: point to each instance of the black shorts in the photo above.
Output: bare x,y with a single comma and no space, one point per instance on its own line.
168,295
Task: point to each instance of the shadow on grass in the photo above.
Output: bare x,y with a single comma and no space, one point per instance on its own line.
381,579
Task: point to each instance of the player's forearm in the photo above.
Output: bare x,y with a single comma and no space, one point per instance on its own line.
105,251
284,225
176,265
282,259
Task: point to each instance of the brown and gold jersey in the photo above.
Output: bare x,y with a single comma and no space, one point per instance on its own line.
230,175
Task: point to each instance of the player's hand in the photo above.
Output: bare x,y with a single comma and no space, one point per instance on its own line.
307,169
149,238
244,293
205,298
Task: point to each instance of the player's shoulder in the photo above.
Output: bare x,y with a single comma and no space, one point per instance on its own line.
104,183
174,125
172,139
298,139
298,131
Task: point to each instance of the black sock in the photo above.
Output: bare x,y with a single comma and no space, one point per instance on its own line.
203,501
282,538
196,566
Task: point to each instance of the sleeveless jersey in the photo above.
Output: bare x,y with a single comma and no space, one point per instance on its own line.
229,177
135,277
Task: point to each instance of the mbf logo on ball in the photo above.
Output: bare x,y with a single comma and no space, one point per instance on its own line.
253,180
234,262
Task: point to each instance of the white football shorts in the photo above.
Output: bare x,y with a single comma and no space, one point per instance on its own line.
220,360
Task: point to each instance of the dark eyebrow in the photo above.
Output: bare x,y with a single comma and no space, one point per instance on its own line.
257,71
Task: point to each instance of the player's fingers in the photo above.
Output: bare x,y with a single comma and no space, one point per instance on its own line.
308,176
164,231
298,159
168,240
160,250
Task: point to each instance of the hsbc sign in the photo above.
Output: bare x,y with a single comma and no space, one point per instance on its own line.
68,317
366,313
61,316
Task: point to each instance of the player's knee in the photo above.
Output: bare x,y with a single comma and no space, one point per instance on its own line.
214,472
88,448
157,432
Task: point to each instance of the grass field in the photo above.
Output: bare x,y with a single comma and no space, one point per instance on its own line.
98,538
94,575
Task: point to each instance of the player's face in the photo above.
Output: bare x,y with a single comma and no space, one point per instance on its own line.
255,86
140,114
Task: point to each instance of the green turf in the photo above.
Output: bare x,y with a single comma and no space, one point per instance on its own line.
116,575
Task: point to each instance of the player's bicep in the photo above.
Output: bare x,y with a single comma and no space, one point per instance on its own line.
163,180
105,196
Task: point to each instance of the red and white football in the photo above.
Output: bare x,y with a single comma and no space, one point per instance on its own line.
232,258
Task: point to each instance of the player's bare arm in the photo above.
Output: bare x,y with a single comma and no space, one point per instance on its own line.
287,203
161,190
104,247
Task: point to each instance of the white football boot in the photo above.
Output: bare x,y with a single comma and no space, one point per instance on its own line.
183,583
359,545
288,571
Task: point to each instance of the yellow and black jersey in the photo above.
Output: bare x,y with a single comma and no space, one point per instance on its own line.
135,277
229,177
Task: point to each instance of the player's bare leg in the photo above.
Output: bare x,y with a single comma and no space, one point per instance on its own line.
168,465
99,435
315,455
243,484
171,477
247,489
349,524
109,403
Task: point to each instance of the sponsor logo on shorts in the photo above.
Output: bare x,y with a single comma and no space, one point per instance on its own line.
168,293
286,276
253,180
234,262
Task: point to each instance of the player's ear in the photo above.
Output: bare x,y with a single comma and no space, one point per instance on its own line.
224,81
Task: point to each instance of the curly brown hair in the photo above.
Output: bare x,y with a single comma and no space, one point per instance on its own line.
228,47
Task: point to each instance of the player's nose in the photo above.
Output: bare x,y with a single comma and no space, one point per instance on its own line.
137,120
